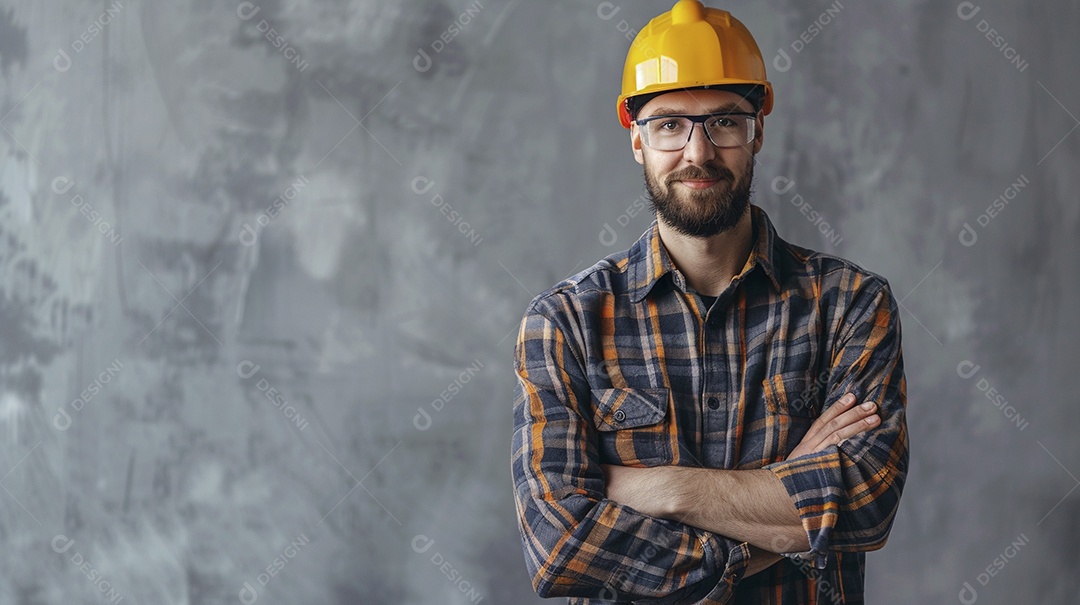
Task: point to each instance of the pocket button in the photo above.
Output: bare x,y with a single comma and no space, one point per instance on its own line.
633,426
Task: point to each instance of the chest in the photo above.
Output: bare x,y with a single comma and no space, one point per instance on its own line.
737,387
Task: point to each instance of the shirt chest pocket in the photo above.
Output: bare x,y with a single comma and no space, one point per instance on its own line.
634,426
792,403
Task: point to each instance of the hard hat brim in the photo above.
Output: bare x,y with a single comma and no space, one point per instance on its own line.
638,100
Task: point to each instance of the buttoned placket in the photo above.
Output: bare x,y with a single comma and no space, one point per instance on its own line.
715,408
718,413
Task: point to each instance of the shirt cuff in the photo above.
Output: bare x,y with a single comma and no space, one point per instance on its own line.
738,558
721,585
815,484
738,554
814,558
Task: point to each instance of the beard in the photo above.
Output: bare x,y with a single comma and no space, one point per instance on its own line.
704,212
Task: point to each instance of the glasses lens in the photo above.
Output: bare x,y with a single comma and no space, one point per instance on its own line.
667,134
730,131
671,133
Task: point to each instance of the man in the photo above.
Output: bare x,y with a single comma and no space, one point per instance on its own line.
714,415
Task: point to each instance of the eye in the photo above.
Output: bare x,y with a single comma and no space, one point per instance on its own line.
721,122
670,124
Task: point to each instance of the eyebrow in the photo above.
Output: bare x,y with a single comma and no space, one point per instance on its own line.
727,107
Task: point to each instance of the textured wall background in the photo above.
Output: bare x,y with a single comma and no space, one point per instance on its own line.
258,294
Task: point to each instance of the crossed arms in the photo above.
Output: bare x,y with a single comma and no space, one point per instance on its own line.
747,505
603,531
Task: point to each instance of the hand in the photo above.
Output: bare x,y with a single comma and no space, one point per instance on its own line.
841,420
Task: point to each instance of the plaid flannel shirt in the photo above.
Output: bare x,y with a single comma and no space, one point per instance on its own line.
622,364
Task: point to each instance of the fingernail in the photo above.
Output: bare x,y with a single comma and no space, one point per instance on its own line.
872,419
869,405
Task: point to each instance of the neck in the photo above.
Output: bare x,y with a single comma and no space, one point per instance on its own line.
709,263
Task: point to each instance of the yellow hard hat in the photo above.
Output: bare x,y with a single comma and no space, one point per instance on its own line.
691,46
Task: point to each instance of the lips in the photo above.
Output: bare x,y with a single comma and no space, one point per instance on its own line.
700,184
701,177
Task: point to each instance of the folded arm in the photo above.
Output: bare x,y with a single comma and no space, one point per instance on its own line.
847,494
577,541
839,489
749,505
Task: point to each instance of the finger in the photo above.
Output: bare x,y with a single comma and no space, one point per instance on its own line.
830,413
840,427
842,405
853,416
854,429
841,433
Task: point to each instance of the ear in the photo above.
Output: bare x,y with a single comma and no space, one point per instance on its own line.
635,143
759,132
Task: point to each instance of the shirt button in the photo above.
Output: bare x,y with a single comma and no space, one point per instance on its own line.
714,403
620,415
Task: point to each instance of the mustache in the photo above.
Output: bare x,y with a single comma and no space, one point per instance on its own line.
701,173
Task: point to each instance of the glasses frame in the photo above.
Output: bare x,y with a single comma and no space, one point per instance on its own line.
700,119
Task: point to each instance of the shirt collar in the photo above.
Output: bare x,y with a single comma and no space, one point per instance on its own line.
649,260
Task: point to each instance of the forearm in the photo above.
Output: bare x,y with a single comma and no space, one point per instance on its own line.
613,551
747,505
578,543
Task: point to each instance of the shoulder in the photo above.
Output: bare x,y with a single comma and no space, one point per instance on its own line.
828,275
572,294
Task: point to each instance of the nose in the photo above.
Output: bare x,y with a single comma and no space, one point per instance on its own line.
699,149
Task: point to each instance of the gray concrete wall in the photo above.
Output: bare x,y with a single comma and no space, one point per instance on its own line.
234,269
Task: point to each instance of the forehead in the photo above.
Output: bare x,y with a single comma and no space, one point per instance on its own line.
695,102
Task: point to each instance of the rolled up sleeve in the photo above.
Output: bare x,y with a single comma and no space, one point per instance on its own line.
847,495
578,543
